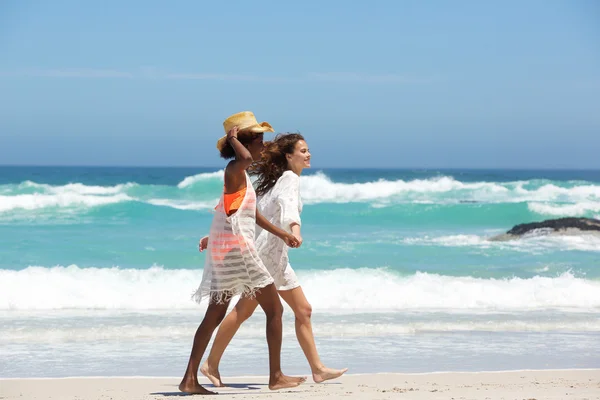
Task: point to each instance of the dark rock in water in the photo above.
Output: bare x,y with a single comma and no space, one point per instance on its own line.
560,226
583,224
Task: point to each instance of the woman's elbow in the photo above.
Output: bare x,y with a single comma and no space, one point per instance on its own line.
246,161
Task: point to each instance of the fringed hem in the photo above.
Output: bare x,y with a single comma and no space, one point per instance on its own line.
224,296
289,286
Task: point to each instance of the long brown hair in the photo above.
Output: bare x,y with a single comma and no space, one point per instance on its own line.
273,162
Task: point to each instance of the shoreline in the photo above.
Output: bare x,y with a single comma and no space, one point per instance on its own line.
200,376
518,384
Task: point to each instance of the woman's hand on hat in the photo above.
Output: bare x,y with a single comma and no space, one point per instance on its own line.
233,132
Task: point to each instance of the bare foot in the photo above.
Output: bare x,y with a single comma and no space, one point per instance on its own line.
191,387
213,375
326,374
284,382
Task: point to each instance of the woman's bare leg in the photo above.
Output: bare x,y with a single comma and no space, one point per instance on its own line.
271,305
268,298
296,299
242,311
212,318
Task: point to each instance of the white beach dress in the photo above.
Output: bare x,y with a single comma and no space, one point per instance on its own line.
281,206
233,266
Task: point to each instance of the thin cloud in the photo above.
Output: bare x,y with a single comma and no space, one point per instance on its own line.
212,77
219,77
156,74
142,73
68,73
366,78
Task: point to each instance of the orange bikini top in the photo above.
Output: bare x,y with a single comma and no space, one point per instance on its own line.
233,201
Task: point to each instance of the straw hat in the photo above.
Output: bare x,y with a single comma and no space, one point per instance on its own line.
246,122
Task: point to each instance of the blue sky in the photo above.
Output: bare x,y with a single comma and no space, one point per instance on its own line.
370,84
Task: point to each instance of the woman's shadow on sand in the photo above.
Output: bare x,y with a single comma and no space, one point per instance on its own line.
224,390
246,386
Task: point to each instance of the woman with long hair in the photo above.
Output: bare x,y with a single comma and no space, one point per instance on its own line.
277,186
232,265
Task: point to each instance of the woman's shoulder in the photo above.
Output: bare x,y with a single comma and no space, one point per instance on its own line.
289,176
287,180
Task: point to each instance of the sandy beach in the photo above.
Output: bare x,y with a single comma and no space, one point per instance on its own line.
528,385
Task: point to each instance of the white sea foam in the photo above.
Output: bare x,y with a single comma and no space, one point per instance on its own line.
548,199
73,195
319,188
184,204
572,210
128,328
556,193
580,200
341,290
191,180
449,241
82,197
62,200
532,243
78,188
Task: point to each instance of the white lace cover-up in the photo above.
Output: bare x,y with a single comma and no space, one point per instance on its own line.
232,265
281,206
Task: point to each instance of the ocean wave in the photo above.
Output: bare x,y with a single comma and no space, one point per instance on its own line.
580,200
30,187
62,200
184,205
341,290
30,196
529,243
194,179
65,330
319,188
193,193
565,210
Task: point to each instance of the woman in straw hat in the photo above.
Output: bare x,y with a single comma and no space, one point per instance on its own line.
279,169
232,265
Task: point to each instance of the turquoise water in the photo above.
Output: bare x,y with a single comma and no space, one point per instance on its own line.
108,256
